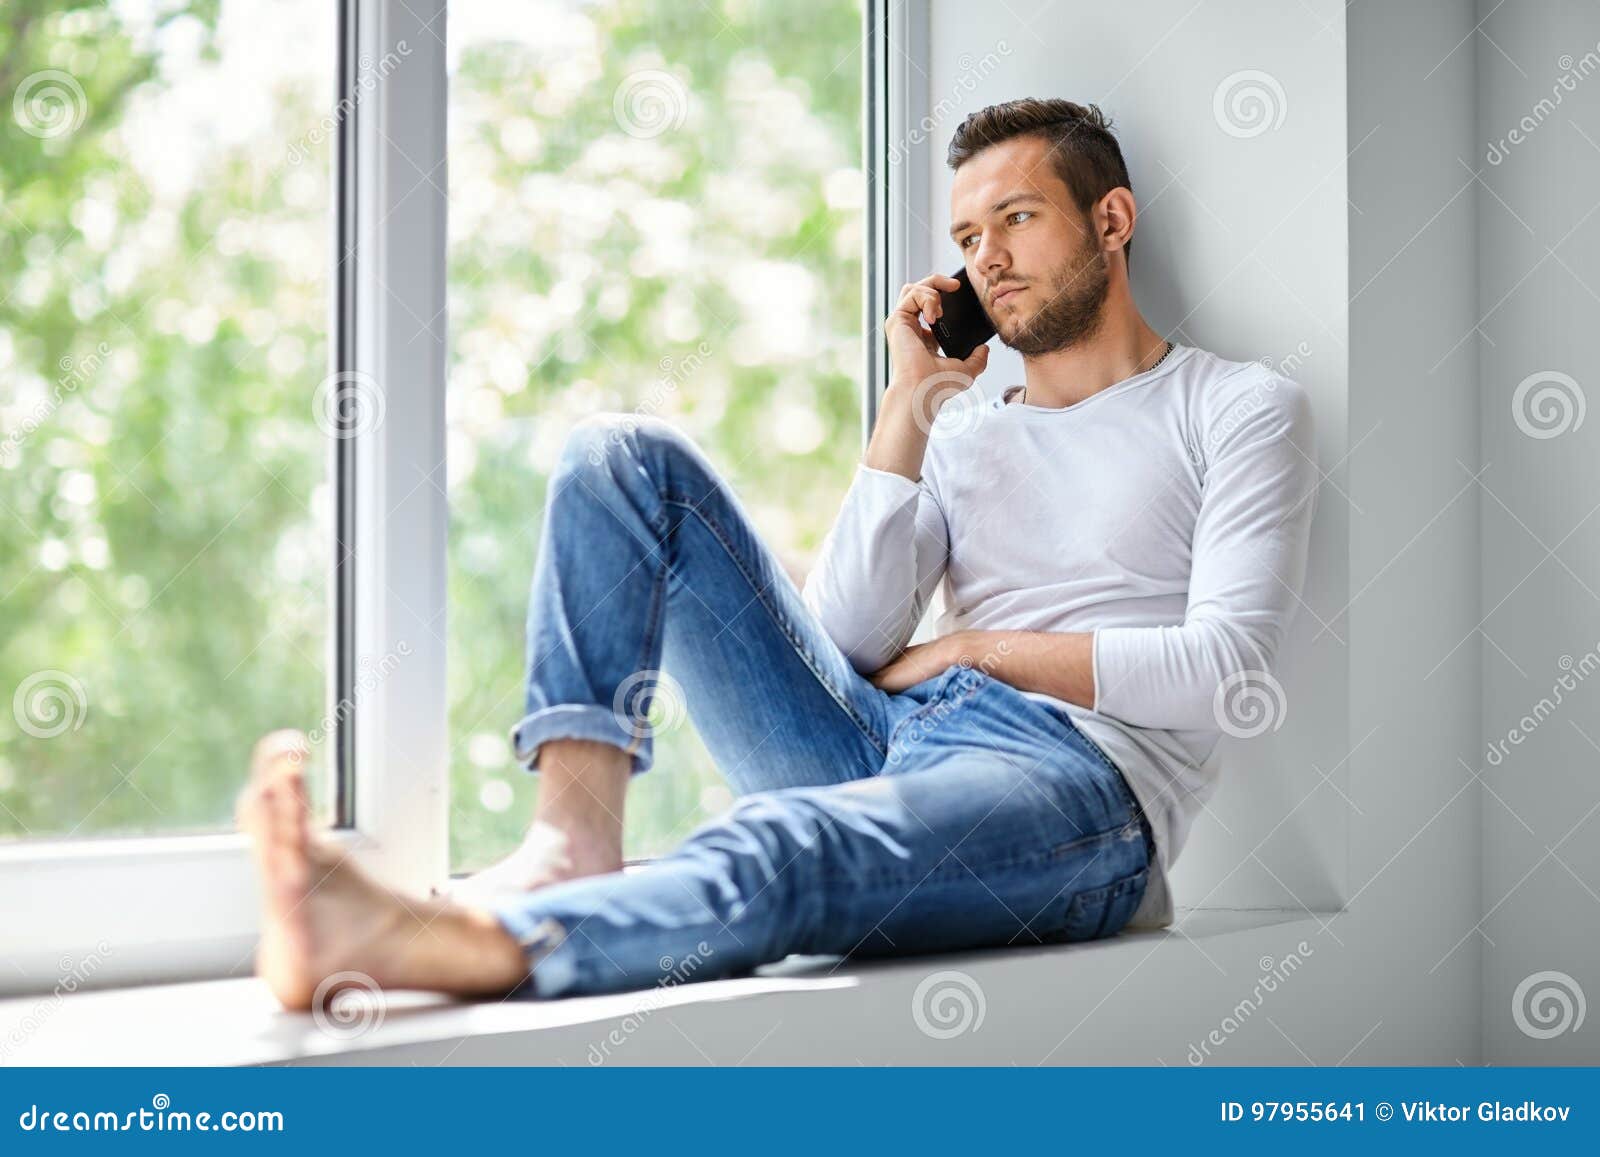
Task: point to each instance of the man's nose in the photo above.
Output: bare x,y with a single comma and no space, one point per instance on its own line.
991,262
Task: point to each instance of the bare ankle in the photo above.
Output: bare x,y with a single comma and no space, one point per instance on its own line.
583,787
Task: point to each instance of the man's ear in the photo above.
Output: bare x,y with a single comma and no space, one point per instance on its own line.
1115,217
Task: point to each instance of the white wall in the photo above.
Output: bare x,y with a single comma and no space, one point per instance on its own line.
1539,299
1413,526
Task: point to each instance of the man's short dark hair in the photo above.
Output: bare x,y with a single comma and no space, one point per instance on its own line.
1085,154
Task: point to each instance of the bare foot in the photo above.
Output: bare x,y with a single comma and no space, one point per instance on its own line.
547,855
322,915
577,828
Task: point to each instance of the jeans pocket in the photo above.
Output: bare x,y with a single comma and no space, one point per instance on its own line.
944,693
1100,912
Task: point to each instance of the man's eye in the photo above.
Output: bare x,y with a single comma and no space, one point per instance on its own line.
1014,213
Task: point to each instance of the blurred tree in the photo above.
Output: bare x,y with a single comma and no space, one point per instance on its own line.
165,287
654,207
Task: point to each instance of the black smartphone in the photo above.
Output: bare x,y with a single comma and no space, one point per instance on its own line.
964,325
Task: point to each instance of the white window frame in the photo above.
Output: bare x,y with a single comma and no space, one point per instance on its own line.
185,907
128,910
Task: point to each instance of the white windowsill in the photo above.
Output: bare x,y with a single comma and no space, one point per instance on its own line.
1059,1004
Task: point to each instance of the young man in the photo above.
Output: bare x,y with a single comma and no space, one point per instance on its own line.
1120,543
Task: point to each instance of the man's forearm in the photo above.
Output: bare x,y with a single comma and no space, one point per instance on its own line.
1057,663
898,442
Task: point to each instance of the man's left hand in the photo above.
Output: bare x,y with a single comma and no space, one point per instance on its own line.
919,662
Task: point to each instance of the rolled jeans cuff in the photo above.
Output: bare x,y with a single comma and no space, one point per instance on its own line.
580,721
552,965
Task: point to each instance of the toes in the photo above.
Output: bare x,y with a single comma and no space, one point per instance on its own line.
276,759
278,753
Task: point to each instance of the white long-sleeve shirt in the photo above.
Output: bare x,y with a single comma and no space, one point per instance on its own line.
1169,513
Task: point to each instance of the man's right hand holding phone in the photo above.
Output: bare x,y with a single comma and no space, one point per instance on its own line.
921,380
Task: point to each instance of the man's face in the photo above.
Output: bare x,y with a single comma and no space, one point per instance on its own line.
1019,230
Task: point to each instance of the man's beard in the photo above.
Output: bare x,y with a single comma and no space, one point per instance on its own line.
1073,309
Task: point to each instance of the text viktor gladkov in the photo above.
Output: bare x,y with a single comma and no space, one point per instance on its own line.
1486,1111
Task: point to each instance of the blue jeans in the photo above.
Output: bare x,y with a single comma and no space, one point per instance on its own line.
958,813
